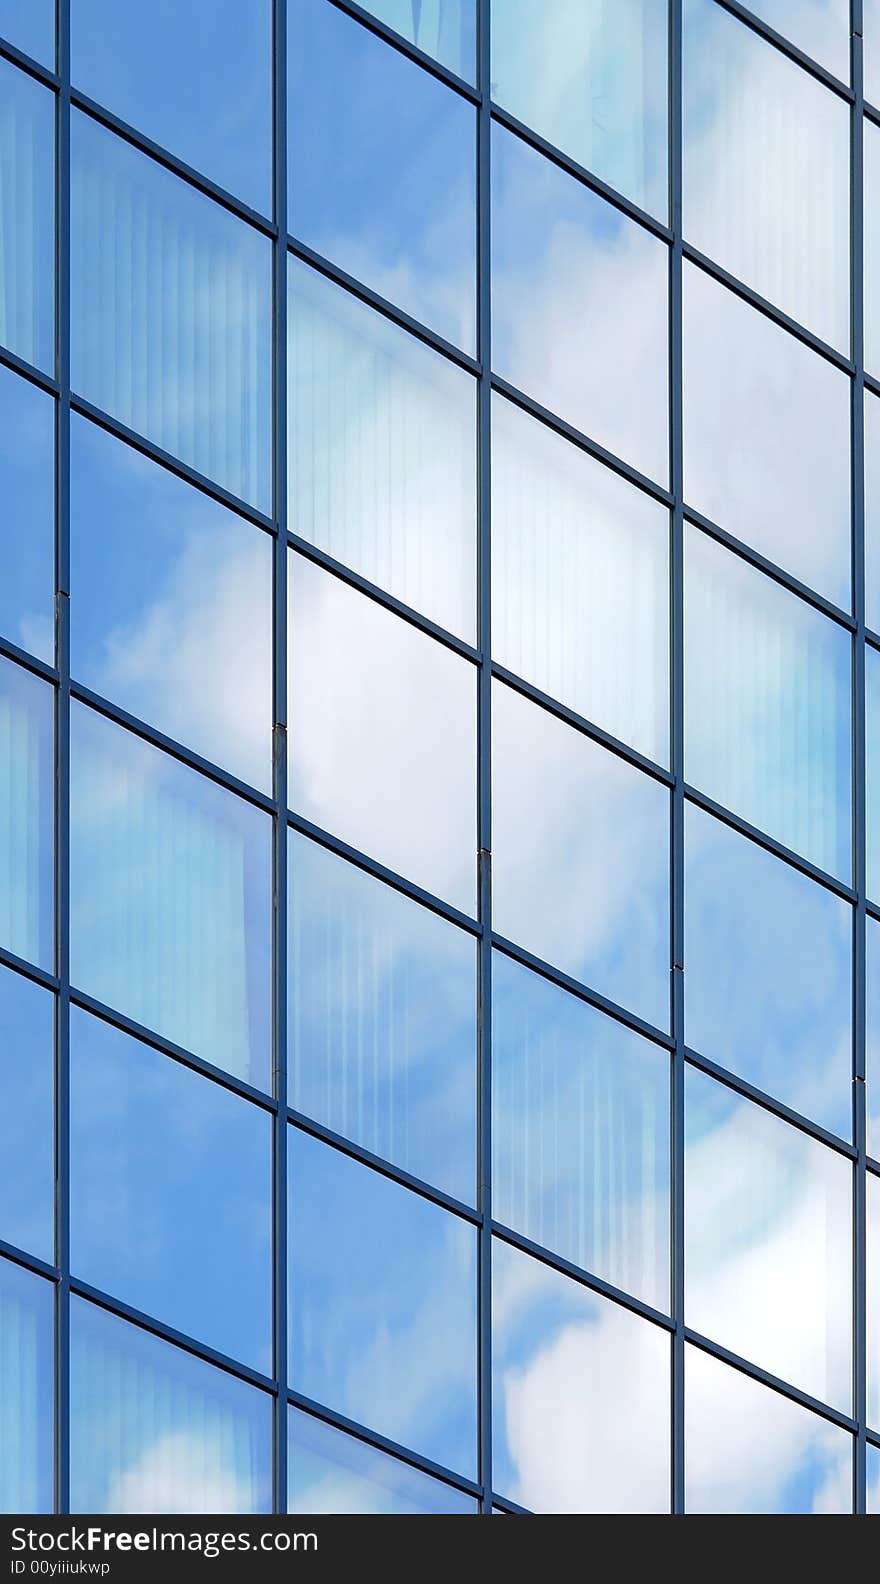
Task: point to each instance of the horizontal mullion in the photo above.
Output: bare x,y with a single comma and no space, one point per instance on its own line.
765,1378
383,305
578,1273
28,662
872,638
872,909
872,1165
28,371
385,1167
872,113
28,1261
405,46
28,63
578,988
769,843
395,1449
764,306
777,1108
504,1504
581,724
28,970
872,383
785,45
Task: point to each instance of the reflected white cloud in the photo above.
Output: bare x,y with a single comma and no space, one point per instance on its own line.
179,1473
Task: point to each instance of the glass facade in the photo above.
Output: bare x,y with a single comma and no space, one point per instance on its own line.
440,756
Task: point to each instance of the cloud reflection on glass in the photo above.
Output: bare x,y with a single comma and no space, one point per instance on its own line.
446,29
27,883
27,1120
331,1472
27,522
26,1376
818,27
27,217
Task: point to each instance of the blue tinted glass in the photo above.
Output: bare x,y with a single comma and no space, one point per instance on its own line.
27,217
819,27
767,704
872,768
171,604
194,75
170,312
580,1133
27,522
872,1208
872,1034
446,29
873,1472
581,1395
27,1123
26,1303
382,168
330,1472
591,78
30,24
382,1024
580,856
872,511
872,246
26,837
170,897
170,1191
752,920
155,1430
579,305
383,1297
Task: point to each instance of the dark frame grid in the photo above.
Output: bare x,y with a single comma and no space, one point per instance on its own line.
283,818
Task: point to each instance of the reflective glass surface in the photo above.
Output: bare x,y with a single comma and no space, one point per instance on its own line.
872,1209
590,78
381,461
30,25
872,769
170,1191
768,1241
382,168
751,1450
872,246
580,581
872,1460
446,29
27,1123
581,1399
580,1133
767,704
382,1024
872,511
871,55
156,1430
766,436
579,305
382,1304
818,27
194,75
753,921
26,837
26,1376
170,312
27,217
766,170
383,739
170,897
872,1034
331,1472
171,604
580,856
27,521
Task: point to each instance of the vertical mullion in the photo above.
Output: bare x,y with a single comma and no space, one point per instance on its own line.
484,757
858,717
279,750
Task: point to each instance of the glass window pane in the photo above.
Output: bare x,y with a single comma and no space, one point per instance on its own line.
382,169
580,1133
27,523
766,436
580,581
751,1450
170,897
330,1472
872,1207
768,736
30,25
580,856
27,217
872,769
590,78
871,34
873,1478
382,1020
383,738
156,1430
27,1120
446,29
579,305
170,314
382,460
872,246
194,75
26,1373
27,707
872,511
581,1395
768,1241
819,27
170,1191
872,1034
383,1304
171,604
766,170
752,920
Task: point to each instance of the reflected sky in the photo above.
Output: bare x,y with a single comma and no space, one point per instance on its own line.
26,1344
27,1122
872,511
871,35
27,709
446,29
30,24
382,1304
872,1208
170,1191
27,217
382,169
579,305
580,856
768,972
872,769
819,27
331,1472
768,1241
872,246
581,1395
156,1430
872,1033
171,604
27,522
194,75
750,1450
